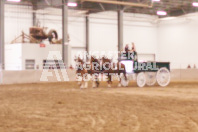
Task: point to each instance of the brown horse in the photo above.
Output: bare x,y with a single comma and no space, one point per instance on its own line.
83,69
110,69
94,71
81,72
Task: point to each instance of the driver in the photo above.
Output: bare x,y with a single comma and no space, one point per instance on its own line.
128,53
134,53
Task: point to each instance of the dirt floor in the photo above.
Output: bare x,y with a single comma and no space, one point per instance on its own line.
63,107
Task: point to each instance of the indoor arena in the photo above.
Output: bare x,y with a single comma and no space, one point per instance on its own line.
98,66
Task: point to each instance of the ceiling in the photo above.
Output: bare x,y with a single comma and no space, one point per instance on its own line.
173,7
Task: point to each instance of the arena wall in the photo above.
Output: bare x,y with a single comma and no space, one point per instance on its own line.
34,76
177,41
172,39
18,18
103,28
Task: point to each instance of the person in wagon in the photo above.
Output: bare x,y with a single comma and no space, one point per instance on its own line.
128,53
134,53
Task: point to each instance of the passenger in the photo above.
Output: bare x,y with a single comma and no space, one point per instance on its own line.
134,53
128,53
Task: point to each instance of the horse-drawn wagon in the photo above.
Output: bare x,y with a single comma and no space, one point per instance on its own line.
146,73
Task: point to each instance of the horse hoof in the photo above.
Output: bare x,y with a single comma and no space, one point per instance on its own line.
93,86
86,85
79,83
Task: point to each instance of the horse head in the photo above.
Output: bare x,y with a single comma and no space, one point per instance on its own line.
94,59
105,59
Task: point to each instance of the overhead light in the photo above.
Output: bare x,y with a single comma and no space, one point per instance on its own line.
156,0
14,0
195,4
162,13
72,4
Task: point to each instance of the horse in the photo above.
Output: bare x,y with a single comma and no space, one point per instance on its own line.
81,72
96,67
84,69
94,71
110,69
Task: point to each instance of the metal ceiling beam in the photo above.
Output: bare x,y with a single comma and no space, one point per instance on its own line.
102,7
2,34
120,3
34,6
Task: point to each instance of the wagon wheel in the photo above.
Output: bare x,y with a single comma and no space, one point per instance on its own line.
163,77
150,78
124,82
141,79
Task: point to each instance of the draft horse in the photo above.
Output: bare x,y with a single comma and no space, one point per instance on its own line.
81,72
110,69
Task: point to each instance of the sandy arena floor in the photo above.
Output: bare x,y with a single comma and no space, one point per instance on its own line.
63,107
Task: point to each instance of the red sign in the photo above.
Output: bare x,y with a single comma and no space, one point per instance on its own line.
42,45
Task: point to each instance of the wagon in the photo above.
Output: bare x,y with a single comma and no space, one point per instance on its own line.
146,73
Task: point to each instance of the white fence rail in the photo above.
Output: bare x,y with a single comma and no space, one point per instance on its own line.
34,76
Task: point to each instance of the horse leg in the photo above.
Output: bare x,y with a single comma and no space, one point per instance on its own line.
82,84
124,72
109,81
125,76
93,81
85,81
97,80
78,80
119,85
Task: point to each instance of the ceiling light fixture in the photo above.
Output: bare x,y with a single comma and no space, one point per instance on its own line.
156,0
72,4
195,4
14,0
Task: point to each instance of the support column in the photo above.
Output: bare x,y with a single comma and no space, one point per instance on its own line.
34,16
65,42
2,34
87,34
34,6
120,30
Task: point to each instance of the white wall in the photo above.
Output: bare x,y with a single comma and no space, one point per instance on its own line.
17,54
52,18
103,28
13,57
140,29
103,32
178,41
37,53
17,19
